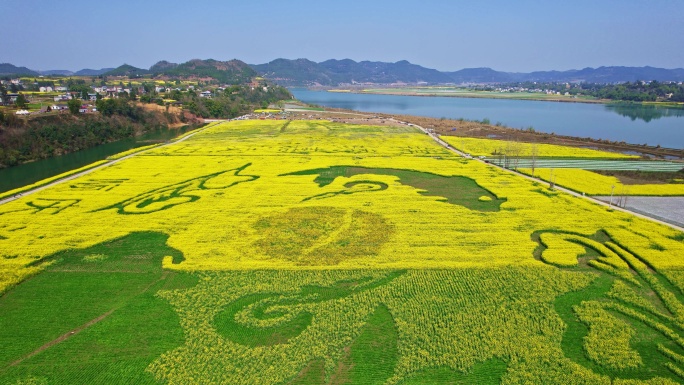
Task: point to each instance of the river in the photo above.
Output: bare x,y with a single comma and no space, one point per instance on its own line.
28,173
631,123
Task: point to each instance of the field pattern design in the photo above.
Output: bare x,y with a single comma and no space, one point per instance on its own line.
454,190
629,295
315,252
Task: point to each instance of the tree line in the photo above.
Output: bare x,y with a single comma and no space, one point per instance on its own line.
638,91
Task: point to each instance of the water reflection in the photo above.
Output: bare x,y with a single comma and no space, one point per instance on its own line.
368,105
645,112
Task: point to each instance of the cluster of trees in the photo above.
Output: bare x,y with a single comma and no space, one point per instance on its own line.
637,91
233,101
60,136
121,107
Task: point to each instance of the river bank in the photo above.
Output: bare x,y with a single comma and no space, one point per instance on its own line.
431,92
634,124
457,92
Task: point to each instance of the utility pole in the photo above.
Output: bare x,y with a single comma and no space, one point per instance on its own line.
626,193
612,188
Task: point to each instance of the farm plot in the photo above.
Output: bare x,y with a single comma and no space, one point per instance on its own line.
311,252
592,183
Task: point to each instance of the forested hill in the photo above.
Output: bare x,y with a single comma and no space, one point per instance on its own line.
127,70
230,72
7,69
303,72
225,72
334,72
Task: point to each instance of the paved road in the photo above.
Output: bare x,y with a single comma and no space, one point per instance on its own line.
668,209
110,163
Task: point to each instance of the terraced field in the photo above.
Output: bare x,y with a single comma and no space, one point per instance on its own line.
311,252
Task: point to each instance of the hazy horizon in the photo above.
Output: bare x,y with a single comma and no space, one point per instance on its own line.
524,36
183,61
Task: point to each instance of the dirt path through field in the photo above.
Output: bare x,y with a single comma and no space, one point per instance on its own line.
79,329
62,338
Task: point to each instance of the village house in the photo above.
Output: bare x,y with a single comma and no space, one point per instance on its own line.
11,98
59,107
205,94
62,97
113,92
45,89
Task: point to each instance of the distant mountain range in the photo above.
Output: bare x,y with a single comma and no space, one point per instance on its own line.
304,72
90,72
232,71
7,69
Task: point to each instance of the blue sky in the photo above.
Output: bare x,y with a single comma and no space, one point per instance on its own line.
517,36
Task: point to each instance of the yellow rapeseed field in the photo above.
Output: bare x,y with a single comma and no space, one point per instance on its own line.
213,192
491,147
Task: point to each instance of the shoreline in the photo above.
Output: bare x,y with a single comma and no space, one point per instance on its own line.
470,96
474,95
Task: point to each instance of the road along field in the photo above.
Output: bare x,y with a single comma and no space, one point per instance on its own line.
572,167
312,252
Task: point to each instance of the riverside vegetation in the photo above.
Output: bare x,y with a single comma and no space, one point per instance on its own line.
313,252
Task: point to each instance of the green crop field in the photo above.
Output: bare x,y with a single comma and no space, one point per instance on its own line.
314,252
